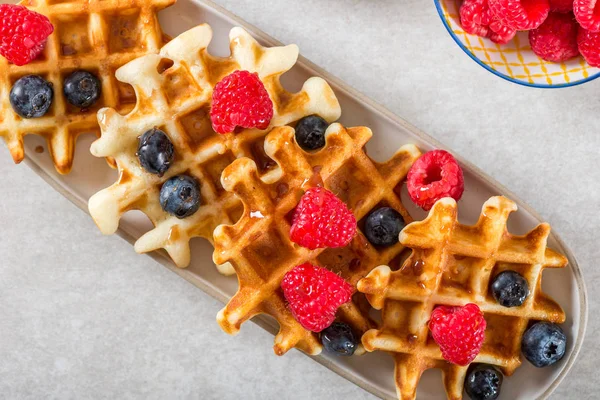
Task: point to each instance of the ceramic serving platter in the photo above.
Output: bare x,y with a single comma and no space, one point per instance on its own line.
373,372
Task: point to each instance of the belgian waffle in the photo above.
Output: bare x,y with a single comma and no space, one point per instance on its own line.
174,90
98,36
259,246
453,264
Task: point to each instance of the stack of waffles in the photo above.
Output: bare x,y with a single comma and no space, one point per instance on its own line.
251,181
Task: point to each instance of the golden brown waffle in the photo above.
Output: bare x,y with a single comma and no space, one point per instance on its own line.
453,264
174,91
259,246
98,36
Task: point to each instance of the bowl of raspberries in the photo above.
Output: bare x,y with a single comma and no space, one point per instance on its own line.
538,43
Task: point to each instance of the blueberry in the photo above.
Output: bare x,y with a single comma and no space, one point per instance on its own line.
155,151
339,339
383,226
310,132
31,96
82,89
180,196
544,344
510,289
483,382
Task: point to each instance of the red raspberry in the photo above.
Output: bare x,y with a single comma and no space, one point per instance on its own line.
459,331
561,5
589,46
475,17
240,100
314,294
500,33
23,33
587,13
521,14
435,175
322,220
556,39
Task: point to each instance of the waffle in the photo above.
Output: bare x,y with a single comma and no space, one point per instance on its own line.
258,245
174,91
95,35
452,264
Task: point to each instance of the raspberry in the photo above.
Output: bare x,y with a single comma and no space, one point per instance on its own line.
240,100
459,331
500,33
314,294
475,17
322,220
589,46
520,14
587,13
23,33
556,39
561,6
435,175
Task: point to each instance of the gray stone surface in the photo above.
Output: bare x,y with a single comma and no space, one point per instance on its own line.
82,316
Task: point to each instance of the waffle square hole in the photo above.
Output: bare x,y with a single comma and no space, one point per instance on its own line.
351,185
71,109
344,261
197,127
403,319
459,275
179,85
124,31
268,251
73,35
214,168
418,273
502,339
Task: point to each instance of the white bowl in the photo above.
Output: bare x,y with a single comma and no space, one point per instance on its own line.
514,61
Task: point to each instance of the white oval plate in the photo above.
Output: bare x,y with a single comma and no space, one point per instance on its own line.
373,372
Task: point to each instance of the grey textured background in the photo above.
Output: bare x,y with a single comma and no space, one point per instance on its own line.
83,316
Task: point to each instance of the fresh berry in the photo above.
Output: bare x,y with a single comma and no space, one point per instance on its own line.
23,33
322,220
475,17
520,14
339,339
589,46
435,175
31,96
240,100
155,151
310,133
544,344
556,39
483,382
459,331
500,33
180,196
561,6
587,13
82,89
383,227
314,294
510,289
